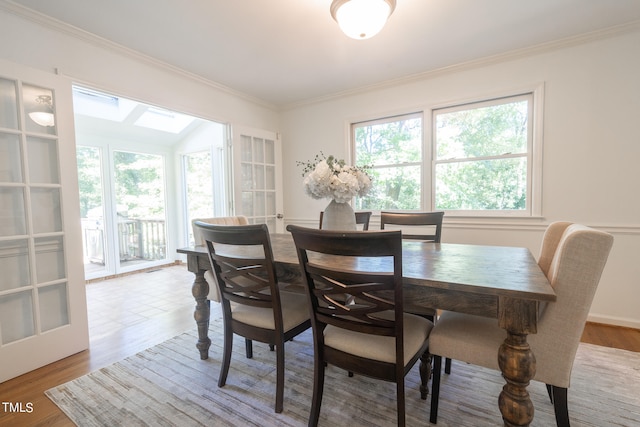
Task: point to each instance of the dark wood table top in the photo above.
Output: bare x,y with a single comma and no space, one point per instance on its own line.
487,270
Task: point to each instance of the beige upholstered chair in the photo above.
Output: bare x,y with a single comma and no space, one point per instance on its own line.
362,218
253,306
573,257
371,335
221,220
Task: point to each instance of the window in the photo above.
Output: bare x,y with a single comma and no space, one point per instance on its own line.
393,149
482,158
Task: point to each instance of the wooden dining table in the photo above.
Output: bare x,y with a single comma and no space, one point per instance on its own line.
492,281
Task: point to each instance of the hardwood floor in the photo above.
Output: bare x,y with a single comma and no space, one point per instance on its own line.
135,312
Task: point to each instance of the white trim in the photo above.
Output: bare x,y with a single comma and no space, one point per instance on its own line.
613,320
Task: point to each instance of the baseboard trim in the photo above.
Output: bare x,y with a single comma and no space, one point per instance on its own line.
614,321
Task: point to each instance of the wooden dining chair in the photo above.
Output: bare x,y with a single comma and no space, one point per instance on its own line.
371,336
199,241
415,220
573,257
424,226
362,218
252,304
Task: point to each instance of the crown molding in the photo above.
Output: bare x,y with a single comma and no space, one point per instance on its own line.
538,49
85,36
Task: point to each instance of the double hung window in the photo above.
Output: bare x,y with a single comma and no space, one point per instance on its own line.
475,158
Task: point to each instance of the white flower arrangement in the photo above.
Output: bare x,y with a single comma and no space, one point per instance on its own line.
330,178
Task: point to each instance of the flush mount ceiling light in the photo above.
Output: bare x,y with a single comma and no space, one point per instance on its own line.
43,114
362,19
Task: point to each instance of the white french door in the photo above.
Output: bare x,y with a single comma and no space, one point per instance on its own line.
257,171
43,313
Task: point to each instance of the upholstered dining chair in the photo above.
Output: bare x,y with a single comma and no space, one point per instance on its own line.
372,335
221,220
362,218
573,257
252,304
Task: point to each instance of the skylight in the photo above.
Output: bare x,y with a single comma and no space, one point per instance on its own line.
91,103
163,120
88,102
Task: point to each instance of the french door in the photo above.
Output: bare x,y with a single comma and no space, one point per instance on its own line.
257,165
43,314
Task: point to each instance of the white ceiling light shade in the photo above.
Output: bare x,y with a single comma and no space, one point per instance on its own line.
362,19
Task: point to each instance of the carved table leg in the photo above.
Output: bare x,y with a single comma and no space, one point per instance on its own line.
518,366
200,291
516,360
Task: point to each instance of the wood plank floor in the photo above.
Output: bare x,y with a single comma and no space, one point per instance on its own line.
135,312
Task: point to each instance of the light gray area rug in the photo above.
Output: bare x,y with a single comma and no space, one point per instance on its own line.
168,385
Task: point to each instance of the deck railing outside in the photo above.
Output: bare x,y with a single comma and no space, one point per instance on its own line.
138,239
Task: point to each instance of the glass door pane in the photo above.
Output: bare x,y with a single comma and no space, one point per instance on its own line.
199,188
92,211
140,207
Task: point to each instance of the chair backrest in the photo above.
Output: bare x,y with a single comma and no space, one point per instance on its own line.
550,241
242,261
362,218
220,220
365,265
414,219
574,271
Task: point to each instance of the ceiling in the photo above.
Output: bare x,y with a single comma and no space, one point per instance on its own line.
284,52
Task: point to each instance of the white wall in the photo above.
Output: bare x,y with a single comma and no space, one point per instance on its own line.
590,154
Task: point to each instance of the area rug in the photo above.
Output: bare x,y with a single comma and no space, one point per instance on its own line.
168,385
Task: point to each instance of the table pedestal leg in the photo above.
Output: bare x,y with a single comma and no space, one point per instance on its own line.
518,366
200,291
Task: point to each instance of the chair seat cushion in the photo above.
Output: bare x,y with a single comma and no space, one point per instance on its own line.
466,338
295,311
416,332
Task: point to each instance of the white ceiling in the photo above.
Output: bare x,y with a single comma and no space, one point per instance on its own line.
289,51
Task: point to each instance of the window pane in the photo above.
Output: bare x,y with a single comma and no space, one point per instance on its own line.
54,306
8,104
49,259
393,149
43,160
481,132
14,264
389,143
10,159
393,188
482,185
46,210
16,316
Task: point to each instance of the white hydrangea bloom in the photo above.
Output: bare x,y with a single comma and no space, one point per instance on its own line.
334,180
